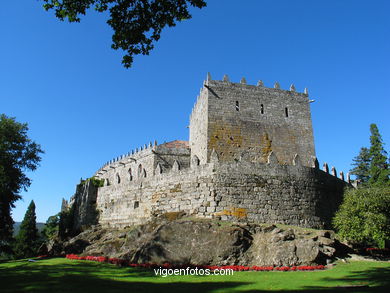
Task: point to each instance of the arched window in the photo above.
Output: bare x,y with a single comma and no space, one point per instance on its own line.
118,178
130,175
139,171
195,161
237,106
107,182
158,169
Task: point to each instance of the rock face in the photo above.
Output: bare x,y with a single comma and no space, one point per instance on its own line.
84,206
291,247
205,242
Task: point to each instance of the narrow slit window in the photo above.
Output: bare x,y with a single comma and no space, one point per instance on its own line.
130,175
118,178
286,111
237,106
136,204
262,109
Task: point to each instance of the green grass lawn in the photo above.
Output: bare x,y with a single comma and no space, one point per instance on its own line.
63,275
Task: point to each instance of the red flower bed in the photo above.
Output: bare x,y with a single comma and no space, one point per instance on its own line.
123,262
378,252
378,249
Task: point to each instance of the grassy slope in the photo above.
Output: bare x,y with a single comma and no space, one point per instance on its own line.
62,275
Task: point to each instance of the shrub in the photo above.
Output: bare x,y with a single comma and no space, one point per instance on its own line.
364,216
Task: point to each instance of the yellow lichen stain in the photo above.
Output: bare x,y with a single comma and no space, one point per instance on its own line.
171,216
176,188
234,212
225,139
156,197
267,146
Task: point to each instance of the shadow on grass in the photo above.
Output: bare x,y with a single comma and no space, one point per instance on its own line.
80,276
370,280
94,277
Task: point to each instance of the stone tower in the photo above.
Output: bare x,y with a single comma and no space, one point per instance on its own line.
246,123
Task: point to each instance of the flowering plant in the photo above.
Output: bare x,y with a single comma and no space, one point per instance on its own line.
123,262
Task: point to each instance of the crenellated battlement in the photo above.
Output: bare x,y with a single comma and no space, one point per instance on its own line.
122,166
259,85
128,157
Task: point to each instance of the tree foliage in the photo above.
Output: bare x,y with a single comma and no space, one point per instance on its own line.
137,24
27,240
371,165
18,153
361,165
66,223
379,169
364,216
51,228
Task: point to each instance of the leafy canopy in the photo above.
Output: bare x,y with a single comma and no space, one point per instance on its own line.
364,216
137,24
50,231
18,154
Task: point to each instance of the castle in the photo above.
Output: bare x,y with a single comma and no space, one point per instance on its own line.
250,157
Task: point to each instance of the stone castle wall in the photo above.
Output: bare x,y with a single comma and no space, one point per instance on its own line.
238,191
199,128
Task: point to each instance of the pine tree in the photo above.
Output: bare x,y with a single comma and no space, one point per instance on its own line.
361,165
27,238
379,170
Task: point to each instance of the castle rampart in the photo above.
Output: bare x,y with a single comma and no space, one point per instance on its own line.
239,191
250,157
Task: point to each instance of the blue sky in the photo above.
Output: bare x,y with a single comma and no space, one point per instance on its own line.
84,108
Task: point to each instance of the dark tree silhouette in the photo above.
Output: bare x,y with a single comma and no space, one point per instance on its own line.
18,153
137,24
27,238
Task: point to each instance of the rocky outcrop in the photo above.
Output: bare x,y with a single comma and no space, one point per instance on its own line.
205,242
83,206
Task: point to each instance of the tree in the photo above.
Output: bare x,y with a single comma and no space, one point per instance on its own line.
371,166
50,230
18,153
364,216
379,169
66,223
27,238
361,165
137,24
